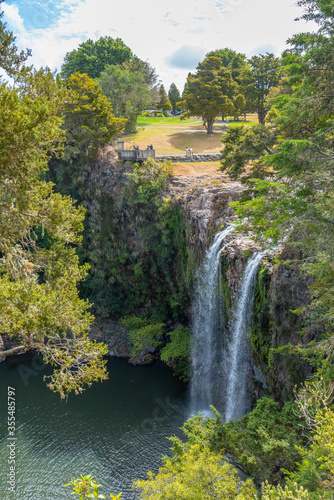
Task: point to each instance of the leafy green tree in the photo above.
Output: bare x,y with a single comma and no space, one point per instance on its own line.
314,477
293,492
164,103
198,474
86,487
244,145
136,65
239,103
260,444
127,92
174,96
296,206
150,78
266,75
10,58
93,57
209,92
226,55
242,76
39,304
89,123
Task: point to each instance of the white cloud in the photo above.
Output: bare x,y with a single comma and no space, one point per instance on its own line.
158,30
13,17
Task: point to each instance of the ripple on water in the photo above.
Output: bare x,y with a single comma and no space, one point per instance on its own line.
115,431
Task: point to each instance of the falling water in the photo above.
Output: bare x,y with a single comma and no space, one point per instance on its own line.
239,371
208,327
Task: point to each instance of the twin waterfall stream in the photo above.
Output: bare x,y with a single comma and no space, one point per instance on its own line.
221,357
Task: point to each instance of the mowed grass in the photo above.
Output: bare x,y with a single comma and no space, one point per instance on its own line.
173,135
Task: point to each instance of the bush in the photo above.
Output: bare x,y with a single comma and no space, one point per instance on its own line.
179,346
143,332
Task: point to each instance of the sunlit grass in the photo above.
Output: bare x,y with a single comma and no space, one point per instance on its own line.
172,135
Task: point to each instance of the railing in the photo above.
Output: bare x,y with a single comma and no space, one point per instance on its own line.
136,154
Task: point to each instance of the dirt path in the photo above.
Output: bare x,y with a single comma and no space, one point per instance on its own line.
195,169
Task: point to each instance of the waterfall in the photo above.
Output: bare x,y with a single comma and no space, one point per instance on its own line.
239,370
208,328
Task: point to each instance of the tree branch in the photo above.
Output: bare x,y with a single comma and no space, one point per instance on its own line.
13,350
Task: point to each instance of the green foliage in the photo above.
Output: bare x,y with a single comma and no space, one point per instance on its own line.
260,444
209,92
89,120
143,332
176,353
39,303
89,123
93,57
316,470
127,92
243,145
198,474
179,345
86,487
226,292
260,338
226,55
314,477
293,492
174,96
296,207
266,75
164,102
10,59
140,256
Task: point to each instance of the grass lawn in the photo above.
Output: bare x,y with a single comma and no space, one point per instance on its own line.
172,135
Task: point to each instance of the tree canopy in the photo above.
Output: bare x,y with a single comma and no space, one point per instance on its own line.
265,76
295,205
197,474
40,308
209,91
164,102
127,92
174,96
93,57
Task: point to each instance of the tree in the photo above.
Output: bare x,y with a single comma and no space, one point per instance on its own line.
136,65
260,444
127,92
296,205
174,96
86,487
265,72
244,145
39,304
241,74
314,477
209,92
10,58
226,55
93,57
89,123
164,103
197,474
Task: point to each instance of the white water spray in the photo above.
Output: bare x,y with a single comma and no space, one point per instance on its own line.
239,353
208,328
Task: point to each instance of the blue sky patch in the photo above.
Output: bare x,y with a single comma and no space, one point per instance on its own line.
39,14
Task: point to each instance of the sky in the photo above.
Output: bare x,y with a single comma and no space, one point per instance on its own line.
172,35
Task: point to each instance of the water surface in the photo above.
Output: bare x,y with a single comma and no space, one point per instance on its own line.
116,430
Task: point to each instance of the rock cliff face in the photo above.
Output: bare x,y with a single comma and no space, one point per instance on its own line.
281,290
205,203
